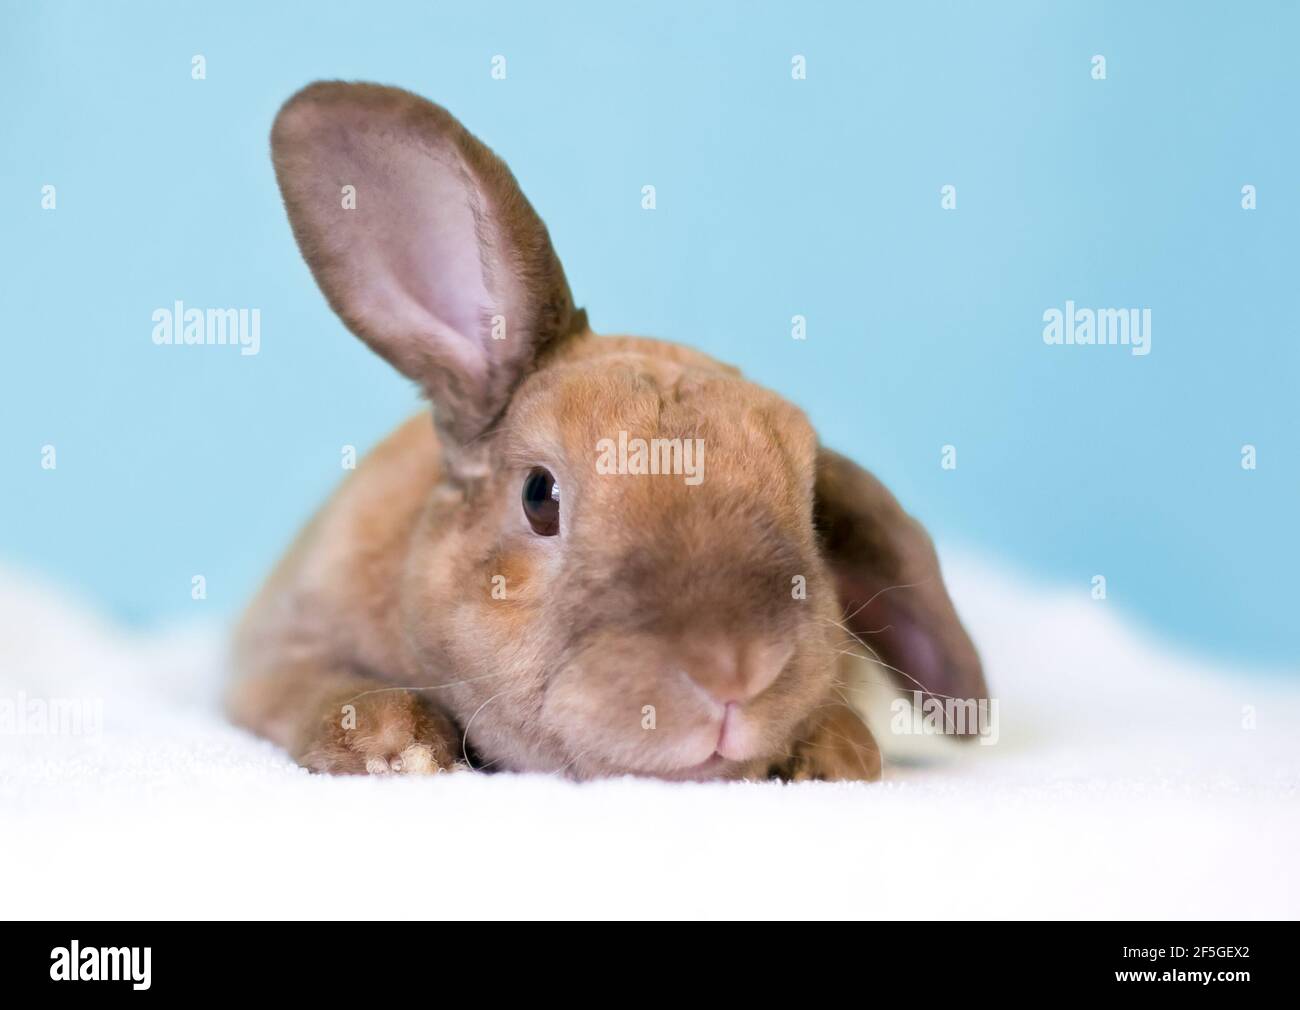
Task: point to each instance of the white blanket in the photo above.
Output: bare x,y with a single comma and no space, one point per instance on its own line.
1127,781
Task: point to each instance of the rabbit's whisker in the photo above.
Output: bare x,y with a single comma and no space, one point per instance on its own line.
887,589
464,740
428,687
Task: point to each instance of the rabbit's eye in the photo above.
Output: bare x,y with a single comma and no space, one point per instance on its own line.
542,502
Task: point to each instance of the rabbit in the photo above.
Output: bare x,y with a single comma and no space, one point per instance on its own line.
478,594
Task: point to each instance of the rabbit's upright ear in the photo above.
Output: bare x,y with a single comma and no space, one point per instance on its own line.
422,242
890,587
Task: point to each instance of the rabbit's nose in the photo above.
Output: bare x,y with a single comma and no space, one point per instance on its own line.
732,670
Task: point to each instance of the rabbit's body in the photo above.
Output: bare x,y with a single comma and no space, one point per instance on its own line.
485,590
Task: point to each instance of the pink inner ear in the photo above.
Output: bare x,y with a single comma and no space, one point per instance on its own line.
434,243
415,252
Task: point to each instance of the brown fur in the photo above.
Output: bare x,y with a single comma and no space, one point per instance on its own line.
379,645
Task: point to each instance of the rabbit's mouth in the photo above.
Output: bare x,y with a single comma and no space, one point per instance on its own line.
734,742
736,734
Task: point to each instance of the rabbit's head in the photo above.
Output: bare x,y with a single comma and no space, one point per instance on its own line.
636,561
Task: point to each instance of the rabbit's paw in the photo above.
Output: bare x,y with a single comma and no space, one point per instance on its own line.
381,731
837,746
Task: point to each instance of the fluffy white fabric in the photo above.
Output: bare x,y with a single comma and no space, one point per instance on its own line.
1125,783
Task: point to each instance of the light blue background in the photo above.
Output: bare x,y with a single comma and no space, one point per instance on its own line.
775,197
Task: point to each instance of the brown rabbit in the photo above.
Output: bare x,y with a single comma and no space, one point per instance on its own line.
498,588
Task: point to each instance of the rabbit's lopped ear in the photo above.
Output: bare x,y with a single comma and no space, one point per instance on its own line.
423,244
889,583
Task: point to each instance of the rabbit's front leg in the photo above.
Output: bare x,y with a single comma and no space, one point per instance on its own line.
347,724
